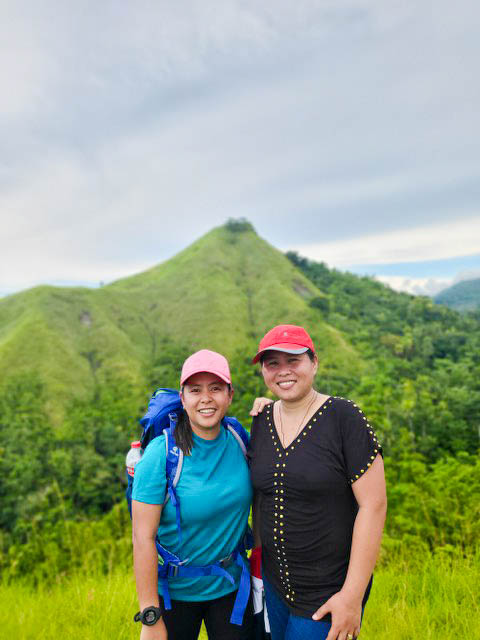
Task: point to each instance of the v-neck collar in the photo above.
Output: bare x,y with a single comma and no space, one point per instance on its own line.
318,414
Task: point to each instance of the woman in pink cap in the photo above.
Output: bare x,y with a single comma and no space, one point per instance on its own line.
320,501
214,494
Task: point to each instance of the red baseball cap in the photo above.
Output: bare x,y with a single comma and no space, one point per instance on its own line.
206,361
285,337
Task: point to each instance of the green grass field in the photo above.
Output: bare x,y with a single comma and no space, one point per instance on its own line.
430,598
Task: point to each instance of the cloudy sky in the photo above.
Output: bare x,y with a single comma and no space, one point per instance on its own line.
347,130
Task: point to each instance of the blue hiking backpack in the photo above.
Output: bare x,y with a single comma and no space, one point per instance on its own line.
161,418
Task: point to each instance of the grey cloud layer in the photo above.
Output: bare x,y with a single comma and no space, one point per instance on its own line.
128,133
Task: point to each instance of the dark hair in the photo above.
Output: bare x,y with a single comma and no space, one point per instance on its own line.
308,352
184,433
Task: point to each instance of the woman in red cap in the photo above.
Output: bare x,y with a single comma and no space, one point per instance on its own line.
214,494
320,501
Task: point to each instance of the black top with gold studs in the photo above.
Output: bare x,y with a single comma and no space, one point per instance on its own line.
308,508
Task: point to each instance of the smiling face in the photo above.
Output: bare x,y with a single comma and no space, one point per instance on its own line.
206,398
290,377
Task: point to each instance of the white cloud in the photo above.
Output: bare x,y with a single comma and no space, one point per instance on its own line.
432,242
416,286
427,286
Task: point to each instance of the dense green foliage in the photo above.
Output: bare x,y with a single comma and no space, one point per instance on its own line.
413,366
424,361
463,296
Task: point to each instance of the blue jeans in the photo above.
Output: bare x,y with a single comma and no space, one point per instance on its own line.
284,625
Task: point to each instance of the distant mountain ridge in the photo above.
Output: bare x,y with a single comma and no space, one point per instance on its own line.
463,296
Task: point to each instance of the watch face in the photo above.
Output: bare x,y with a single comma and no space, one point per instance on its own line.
150,616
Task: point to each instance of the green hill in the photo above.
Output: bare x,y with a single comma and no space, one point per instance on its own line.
463,296
77,366
223,292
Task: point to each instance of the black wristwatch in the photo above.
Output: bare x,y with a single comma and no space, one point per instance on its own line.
149,616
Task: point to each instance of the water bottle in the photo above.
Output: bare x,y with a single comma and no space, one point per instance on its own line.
133,456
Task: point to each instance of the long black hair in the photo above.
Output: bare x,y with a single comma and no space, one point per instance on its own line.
184,433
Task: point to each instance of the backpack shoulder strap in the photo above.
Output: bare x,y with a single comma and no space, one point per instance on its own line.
173,469
174,458
238,432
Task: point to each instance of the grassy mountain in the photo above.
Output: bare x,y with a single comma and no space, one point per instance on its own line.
222,293
463,296
76,366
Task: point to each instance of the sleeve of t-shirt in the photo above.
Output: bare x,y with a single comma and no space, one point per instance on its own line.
359,442
149,481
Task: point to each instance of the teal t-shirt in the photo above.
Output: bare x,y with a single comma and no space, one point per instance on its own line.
215,493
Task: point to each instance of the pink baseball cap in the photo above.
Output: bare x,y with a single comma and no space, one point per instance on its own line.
285,337
205,361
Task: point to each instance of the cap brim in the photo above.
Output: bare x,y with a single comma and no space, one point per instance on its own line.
215,373
284,348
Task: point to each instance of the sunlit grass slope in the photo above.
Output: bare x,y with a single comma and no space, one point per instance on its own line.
222,293
431,599
67,336
225,288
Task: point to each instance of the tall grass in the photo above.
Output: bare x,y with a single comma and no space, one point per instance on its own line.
419,598
426,597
